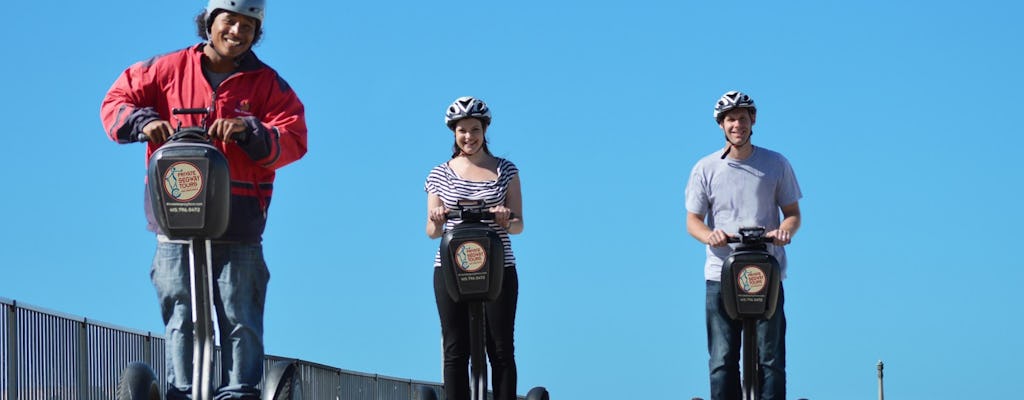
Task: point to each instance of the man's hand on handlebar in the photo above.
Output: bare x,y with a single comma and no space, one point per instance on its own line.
227,129
717,238
781,237
157,131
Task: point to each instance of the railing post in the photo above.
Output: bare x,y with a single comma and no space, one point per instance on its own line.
12,350
83,359
147,350
881,392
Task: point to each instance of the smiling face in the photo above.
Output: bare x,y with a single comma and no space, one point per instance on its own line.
469,136
231,35
737,124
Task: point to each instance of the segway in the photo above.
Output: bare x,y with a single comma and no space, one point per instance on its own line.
750,292
472,263
190,193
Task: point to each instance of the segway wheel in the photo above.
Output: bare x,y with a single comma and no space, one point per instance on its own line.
138,382
537,393
283,383
424,392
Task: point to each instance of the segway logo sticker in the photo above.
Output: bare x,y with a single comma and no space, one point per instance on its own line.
470,256
183,181
751,280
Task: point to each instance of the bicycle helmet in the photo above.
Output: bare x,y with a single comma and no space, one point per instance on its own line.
249,8
467,107
730,100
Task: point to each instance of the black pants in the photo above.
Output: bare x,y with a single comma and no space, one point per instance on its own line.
501,318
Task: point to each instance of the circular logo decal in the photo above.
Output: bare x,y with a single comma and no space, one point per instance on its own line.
751,279
470,256
183,181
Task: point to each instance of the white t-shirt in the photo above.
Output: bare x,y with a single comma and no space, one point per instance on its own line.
732,194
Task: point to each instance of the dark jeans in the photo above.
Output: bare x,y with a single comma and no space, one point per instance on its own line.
501,317
724,339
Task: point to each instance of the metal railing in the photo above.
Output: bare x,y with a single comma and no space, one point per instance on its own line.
47,355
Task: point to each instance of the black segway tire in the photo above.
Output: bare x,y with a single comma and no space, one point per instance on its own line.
537,393
424,392
284,382
138,382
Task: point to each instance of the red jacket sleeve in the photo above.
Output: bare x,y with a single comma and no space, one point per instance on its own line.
129,104
279,135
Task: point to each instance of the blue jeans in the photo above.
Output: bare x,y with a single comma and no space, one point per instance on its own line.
724,339
240,278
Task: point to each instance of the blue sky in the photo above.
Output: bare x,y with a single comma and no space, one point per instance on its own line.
900,118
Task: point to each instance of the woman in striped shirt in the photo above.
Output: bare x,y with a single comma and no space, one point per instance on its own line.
474,174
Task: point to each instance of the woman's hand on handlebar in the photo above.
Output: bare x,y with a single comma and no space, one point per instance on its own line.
502,216
227,129
157,131
781,237
438,215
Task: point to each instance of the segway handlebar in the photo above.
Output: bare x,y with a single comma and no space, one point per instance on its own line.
473,215
195,132
751,235
734,239
179,111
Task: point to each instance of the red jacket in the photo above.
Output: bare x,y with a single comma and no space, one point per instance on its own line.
276,119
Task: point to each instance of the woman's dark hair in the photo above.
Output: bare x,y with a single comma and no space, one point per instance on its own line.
455,147
202,28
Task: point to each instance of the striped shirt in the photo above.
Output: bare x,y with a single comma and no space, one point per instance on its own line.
450,188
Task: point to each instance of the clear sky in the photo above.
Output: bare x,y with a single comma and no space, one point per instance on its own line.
900,118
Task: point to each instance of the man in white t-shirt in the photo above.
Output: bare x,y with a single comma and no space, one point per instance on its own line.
738,186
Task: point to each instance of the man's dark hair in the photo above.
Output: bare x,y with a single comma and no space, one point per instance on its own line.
202,26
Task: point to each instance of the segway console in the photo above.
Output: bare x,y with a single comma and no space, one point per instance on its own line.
469,253
750,291
189,184
750,277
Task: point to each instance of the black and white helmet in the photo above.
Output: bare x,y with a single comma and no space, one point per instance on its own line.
467,107
730,100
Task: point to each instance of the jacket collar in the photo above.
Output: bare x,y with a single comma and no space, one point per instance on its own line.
245,62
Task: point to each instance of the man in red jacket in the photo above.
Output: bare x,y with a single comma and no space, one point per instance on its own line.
247,100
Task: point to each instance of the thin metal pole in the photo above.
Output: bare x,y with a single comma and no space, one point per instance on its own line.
881,390
751,383
83,359
12,351
477,351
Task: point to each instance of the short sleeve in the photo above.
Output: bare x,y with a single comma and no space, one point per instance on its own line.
789,190
696,192
434,180
508,169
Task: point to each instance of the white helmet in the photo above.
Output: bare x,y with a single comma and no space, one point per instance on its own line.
467,107
730,100
249,8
